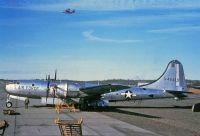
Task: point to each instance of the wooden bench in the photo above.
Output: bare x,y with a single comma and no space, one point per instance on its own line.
70,127
3,126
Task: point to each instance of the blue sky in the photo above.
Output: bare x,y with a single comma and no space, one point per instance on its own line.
104,39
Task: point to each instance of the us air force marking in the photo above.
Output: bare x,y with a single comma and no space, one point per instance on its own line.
128,94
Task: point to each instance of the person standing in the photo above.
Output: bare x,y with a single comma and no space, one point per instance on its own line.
26,102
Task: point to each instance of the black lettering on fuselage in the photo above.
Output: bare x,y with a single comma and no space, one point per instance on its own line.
21,87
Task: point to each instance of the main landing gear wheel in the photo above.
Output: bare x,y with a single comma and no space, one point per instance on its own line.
8,104
83,104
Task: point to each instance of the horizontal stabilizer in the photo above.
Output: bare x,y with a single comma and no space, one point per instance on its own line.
179,94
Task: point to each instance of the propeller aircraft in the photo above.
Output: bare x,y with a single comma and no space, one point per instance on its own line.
171,84
69,11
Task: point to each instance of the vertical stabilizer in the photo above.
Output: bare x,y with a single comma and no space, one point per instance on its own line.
172,79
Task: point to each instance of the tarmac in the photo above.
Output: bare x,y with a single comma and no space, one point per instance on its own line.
164,117
38,120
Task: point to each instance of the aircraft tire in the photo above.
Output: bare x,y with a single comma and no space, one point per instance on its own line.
83,104
8,104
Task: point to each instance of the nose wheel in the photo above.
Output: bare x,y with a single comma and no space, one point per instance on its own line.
8,104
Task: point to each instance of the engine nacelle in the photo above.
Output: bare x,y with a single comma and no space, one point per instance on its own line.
18,97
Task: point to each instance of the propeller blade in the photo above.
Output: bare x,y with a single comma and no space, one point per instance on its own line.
48,88
54,93
61,89
55,77
48,81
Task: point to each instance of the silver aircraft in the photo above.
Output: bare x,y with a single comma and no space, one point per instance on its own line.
51,91
170,84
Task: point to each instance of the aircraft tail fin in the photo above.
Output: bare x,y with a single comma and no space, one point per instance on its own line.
173,78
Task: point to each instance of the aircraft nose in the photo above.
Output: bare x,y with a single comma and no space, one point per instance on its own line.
10,87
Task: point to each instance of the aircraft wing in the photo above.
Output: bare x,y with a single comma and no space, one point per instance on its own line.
180,94
101,89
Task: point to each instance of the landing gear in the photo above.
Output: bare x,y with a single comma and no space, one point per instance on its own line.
8,102
83,104
87,104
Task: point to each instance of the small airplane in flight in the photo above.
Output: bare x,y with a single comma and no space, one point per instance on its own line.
69,11
171,84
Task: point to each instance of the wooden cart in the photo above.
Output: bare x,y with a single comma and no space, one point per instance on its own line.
70,127
8,111
61,106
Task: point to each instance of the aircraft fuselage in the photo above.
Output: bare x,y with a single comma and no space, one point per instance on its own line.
38,88
136,93
30,89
